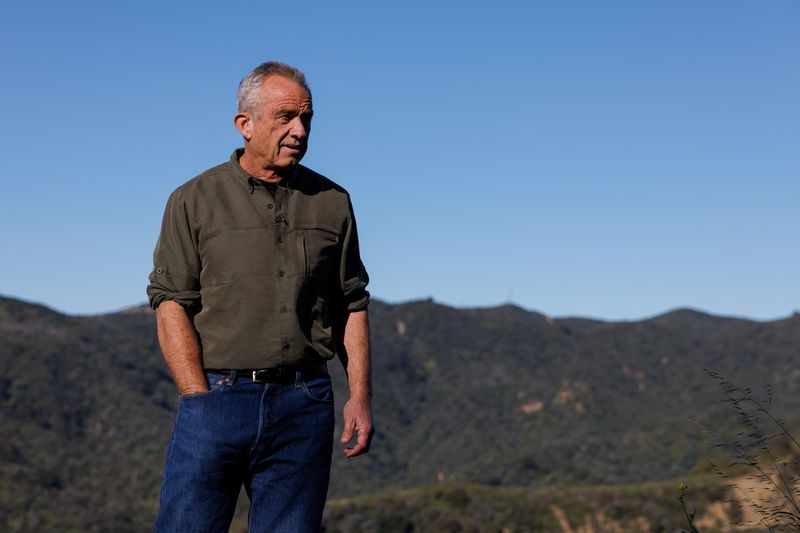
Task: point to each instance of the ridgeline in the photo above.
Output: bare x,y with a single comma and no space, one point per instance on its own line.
473,406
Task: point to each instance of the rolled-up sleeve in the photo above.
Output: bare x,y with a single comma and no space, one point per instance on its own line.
176,262
353,275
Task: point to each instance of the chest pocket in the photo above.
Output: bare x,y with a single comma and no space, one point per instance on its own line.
321,251
237,253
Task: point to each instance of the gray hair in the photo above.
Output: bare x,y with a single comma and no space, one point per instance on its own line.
248,96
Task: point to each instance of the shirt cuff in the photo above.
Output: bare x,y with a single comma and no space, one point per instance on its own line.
359,305
357,300
190,300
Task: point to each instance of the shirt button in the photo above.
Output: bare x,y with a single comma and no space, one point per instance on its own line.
269,205
159,270
280,239
284,309
287,346
281,273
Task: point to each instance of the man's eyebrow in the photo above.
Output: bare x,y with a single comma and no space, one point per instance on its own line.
293,111
288,110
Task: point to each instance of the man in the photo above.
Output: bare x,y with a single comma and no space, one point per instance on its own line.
257,283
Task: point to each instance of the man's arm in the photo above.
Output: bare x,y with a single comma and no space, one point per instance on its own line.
174,292
358,409
181,347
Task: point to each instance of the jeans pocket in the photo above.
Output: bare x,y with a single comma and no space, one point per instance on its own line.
215,382
318,388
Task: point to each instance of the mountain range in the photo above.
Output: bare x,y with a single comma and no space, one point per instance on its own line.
499,398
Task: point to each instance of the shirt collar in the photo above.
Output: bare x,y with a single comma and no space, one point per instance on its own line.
248,180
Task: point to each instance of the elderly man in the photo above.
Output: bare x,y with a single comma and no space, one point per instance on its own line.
257,283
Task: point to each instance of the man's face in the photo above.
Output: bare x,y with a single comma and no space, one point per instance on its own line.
279,129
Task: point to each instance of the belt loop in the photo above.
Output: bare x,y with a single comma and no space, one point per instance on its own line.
298,378
231,379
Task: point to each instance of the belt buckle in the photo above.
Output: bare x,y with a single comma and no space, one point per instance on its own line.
268,375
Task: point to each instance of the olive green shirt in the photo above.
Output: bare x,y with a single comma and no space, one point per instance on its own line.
268,280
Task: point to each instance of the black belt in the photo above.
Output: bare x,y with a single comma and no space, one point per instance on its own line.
275,374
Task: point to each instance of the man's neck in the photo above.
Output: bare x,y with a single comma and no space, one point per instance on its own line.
262,171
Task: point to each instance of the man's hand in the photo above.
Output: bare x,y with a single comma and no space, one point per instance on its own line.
357,418
358,409
184,392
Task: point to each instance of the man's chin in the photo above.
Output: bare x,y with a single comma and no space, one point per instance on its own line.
286,165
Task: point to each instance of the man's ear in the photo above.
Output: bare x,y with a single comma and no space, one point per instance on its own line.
243,123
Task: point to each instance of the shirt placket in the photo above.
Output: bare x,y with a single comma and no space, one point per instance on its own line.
283,267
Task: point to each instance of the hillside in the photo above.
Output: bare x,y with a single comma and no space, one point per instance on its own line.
636,508
494,396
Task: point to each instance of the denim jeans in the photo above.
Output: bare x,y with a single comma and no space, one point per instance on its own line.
274,438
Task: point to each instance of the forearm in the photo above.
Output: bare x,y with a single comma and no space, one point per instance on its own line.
357,346
181,347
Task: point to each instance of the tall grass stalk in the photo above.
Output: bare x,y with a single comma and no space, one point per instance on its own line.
767,453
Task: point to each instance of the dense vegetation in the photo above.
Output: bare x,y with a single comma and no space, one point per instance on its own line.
472,402
452,508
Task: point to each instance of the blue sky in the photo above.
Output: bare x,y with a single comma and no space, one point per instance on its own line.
611,159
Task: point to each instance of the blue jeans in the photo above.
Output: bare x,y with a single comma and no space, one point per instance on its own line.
274,438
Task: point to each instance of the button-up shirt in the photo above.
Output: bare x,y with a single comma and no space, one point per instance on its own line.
268,280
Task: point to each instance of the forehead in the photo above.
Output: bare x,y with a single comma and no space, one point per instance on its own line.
279,90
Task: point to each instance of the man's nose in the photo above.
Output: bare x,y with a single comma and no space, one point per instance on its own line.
299,129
